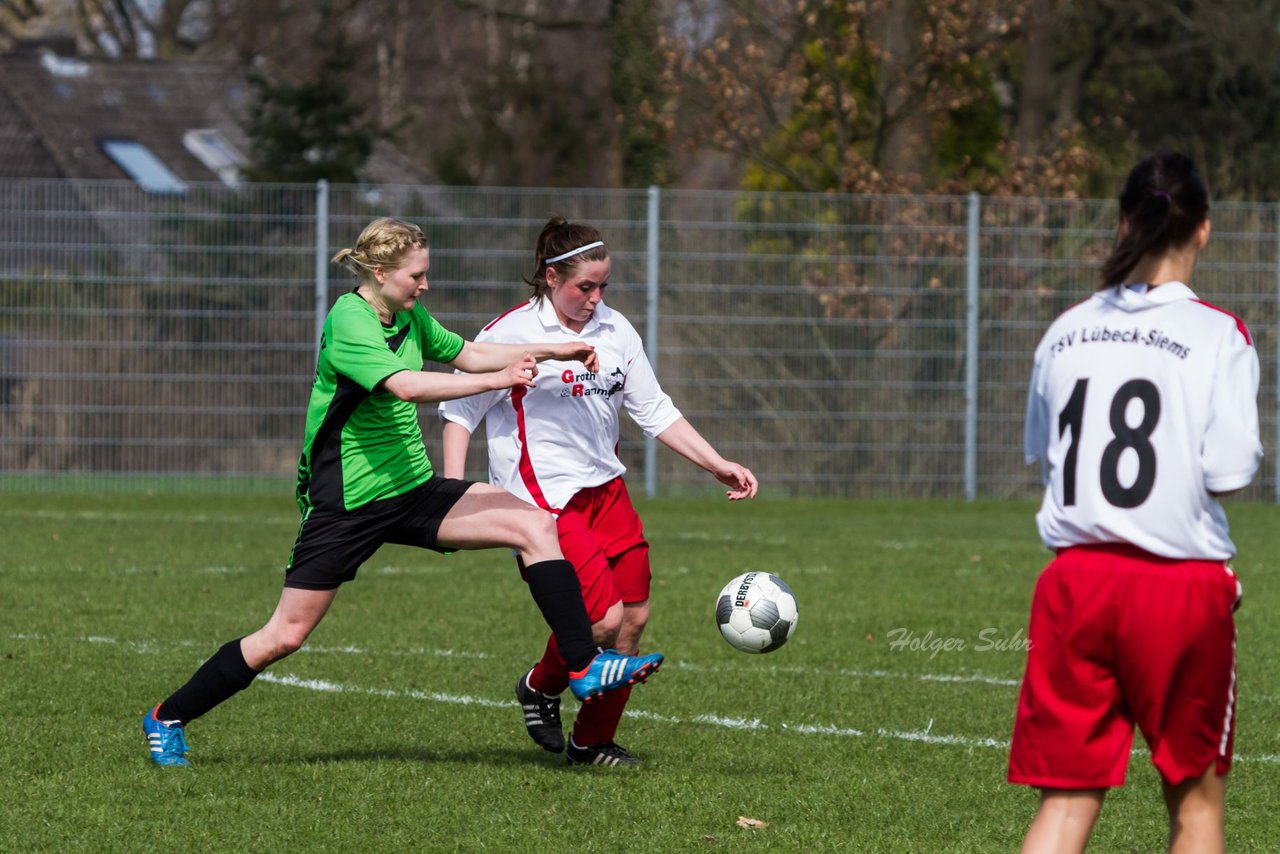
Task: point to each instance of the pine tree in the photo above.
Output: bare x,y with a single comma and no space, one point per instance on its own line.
302,132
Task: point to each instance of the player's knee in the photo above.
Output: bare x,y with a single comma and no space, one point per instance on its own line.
605,630
538,527
287,641
636,617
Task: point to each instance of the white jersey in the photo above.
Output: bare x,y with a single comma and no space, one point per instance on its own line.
1142,403
549,442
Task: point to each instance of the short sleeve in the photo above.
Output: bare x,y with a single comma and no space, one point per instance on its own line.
438,344
1232,448
470,411
647,404
356,348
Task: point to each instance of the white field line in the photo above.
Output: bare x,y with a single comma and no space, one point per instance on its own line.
974,678
152,518
925,736
292,681
156,646
754,724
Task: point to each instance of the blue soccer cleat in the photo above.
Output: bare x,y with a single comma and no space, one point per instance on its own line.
611,670
167,739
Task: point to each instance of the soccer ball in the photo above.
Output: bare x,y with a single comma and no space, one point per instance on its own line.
756,612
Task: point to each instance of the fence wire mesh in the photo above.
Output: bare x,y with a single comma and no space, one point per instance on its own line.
168,341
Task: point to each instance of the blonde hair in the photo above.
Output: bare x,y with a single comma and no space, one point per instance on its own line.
383,243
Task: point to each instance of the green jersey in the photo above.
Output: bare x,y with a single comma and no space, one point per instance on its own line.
362,442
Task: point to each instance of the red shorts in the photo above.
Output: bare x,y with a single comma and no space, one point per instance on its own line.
1120,637
601,535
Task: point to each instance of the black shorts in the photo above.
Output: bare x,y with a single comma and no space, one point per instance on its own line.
331,546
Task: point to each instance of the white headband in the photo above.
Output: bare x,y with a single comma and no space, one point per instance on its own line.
570,254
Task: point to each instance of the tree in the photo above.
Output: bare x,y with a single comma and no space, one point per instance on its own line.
868,96
635,76
1201,76
302,132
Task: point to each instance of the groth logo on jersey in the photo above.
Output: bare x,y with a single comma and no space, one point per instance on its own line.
577,384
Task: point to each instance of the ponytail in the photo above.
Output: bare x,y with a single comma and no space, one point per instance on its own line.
1163,202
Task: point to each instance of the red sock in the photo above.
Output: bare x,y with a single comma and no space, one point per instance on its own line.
551,674
598,720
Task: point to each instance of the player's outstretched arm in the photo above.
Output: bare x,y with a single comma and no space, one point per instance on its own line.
434,387
482,356
682,438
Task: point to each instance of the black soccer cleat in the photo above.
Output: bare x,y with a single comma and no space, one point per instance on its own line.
607,753
541,716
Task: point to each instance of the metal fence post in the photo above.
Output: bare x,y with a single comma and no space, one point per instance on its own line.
651,330
1275,471
322,259
971,355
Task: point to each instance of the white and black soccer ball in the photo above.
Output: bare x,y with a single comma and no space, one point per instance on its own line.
756,612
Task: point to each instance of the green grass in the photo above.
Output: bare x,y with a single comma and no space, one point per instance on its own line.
395,729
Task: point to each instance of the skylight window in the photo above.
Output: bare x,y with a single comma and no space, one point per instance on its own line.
147,170
63,66
211,148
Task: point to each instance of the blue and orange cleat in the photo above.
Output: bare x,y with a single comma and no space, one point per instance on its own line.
167,739
611,670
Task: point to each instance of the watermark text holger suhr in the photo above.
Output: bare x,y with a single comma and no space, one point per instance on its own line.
987,640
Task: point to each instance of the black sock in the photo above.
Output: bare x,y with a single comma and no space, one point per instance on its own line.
555,589
225,674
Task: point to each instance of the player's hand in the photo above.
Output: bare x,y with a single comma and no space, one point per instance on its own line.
521,372
577,351
741,482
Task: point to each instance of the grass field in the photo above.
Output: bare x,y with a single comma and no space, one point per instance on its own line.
881,727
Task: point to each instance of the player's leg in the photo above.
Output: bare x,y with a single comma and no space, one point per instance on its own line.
1196,809
550,675
596,726
620,534
232,669
485,516
635,616
1072,733
618,528
295,617
538,691
1063,821
1181,638
329,549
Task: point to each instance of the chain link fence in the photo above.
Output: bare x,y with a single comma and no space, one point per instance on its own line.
837,345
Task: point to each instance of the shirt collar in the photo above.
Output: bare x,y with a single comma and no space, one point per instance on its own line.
1160,295
602,316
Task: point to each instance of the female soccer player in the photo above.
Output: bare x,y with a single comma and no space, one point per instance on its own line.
364,480
554,444
1142,410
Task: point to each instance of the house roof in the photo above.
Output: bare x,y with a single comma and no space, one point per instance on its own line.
55,110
